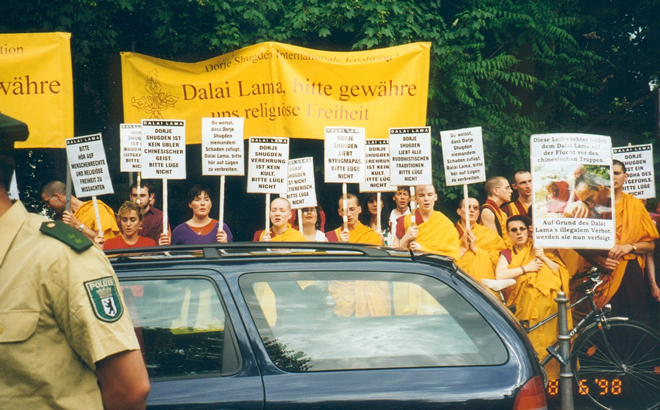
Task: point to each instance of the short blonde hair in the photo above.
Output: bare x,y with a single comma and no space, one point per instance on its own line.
131,206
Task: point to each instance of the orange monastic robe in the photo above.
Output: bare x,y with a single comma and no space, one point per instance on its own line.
515,208
360,234
500,220
633,224
86,216
290,235
360,297
436,235
534,295
481,265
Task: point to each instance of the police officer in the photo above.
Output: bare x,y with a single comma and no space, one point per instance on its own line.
66,340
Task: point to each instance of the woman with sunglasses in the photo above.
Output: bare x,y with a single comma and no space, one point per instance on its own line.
312,220
370,218
539,277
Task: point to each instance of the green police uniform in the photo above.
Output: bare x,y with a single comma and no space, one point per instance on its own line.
60,313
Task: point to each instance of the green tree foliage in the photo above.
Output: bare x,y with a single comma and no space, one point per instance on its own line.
514,67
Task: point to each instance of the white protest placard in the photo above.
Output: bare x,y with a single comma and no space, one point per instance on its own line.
463,153
268,165
222,146
573,195
164,149
130,144
89,168
301,188
344,155
377,164
638,160
410,156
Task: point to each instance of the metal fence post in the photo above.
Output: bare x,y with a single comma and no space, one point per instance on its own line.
565,371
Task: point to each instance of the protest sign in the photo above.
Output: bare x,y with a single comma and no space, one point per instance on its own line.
377,166
410,156
301,190
463,154
573,196
130,144
89,169
222,146
638,160
282,89
37,86
268,165
344,155
164,149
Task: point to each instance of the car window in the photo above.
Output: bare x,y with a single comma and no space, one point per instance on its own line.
342,320
181,326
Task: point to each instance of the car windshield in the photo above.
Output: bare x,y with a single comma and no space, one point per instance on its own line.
361,320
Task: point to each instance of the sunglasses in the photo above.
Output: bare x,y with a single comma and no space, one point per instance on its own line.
309,210
516,230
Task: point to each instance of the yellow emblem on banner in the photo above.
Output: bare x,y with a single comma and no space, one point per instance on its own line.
36,86
283,90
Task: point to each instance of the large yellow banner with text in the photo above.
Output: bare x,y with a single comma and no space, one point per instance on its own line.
36,86
283,90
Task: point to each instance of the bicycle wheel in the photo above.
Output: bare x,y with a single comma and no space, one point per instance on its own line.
618,366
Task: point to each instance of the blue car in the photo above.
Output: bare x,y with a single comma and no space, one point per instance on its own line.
318,325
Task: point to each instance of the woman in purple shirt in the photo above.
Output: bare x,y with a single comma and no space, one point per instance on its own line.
200,228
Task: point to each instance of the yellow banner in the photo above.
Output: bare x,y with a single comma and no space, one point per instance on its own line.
283,90
36,86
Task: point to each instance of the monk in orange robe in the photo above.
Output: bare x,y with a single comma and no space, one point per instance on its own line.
624,287
492,216
480,247
539,277
281,230
431,232
523,185
360,297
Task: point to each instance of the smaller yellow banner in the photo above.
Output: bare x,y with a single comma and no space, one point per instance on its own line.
283,90
36,86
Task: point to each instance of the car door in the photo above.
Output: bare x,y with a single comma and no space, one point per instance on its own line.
196,351
348,336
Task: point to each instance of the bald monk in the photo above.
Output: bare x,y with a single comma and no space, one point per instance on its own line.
492,216
281,230
624,287
354,231
82,216
432,231
523,185
480,247
359,298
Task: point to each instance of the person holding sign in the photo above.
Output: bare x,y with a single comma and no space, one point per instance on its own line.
499,193
353,230
82,216
370,218
624,288
432,231
281,230
152,223
523,185
480,247
200,228
401,198
539,277
130,217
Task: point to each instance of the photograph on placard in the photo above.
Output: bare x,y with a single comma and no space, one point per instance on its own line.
578,191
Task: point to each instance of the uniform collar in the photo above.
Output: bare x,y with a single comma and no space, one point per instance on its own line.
10,224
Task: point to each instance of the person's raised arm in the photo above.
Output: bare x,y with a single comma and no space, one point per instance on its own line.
123,380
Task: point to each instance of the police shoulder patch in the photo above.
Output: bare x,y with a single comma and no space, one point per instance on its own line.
104,298
64,233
